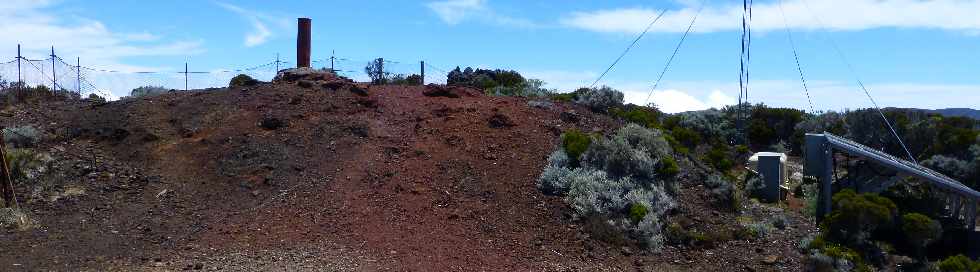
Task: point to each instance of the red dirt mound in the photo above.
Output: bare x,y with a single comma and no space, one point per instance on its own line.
319,173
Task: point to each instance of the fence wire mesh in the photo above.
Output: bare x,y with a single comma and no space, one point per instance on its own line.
56,73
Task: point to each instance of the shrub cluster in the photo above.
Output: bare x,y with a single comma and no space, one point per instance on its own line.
23,164
242,80
920,230
722,191
855,216
619,180
22,136
400,79
484,78
529,88
644,116
720,156
958,263
148,91
599,99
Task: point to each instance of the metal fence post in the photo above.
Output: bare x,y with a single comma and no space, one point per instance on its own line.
54,74
185,76
277,63
422,67
6,184
78,75
19,78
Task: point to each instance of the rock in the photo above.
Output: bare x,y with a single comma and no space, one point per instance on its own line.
271,123
626,251
498,120
770,260
358,90
433,90
569,117
367,102
332,85
294,74
305,84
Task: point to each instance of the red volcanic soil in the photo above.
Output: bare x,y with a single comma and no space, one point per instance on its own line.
325,175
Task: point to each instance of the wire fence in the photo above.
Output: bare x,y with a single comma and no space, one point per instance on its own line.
69,75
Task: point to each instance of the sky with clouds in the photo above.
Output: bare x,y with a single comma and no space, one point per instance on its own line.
908,53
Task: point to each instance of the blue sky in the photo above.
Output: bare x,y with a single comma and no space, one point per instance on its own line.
910,53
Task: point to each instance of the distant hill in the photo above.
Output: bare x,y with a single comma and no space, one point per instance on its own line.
966,112
959,112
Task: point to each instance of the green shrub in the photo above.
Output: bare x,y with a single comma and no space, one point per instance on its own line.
22,136
575,143
637,212
676,145
643,116
689,138
720,157
22,162
96,98
855,216
958,263
242,80
742,149
920,230
668,168
564,97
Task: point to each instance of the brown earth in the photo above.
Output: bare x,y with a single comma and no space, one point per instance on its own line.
332,176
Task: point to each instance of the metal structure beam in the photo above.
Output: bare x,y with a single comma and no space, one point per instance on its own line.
818,163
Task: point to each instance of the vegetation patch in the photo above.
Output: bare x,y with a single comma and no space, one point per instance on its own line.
615,180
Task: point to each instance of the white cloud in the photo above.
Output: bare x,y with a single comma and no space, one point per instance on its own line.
36,28
673,101
835,15
453,12
679,96
260,32
562,80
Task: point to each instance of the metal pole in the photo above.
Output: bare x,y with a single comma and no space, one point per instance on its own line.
185,76
973,215
303,43
381,66
5,182
422,67
19,78
332,52
78,74
54,74
277,62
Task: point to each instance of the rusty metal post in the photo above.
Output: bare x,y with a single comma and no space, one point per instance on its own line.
303,43
5,182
